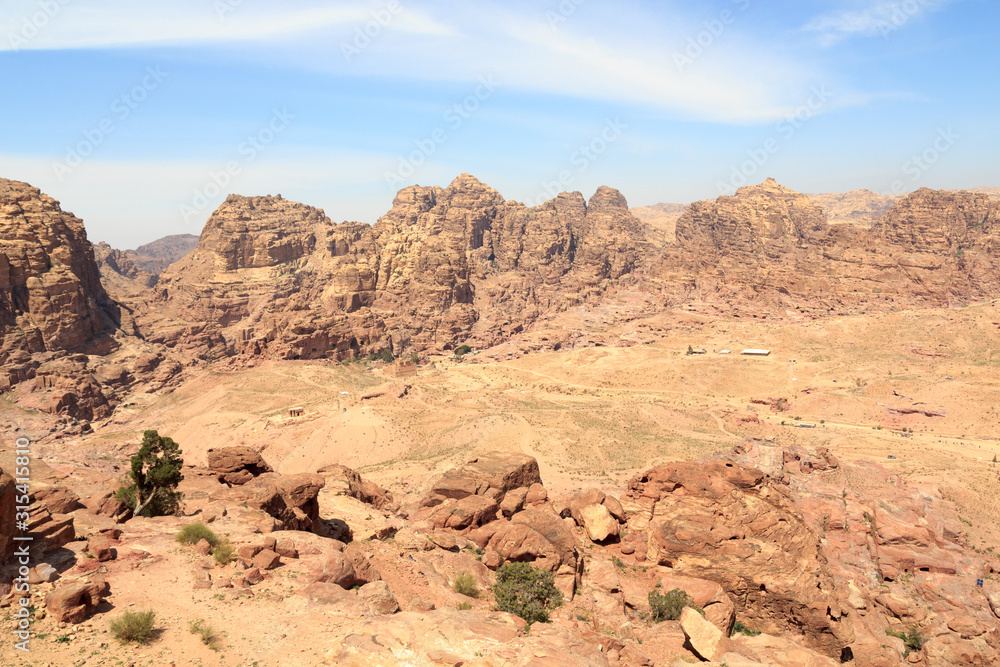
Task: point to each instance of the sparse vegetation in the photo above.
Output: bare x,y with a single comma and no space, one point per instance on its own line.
526,591
465,584
463,606
667,606
206,633
134,626
739,627
193,533
462,350
154,475
223,552
912,640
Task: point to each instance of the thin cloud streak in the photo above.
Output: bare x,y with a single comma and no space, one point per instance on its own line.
879,18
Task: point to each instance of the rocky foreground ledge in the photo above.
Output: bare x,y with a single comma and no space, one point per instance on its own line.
794,557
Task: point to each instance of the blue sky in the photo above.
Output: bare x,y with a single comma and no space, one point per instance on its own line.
141,117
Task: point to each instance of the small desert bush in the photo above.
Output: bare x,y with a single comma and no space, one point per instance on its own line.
913,640
193,533
206,633
465,584
667,606
739,627
463,606
134,626
223,552
526,591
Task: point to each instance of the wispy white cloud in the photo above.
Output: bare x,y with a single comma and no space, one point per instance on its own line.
617,56
873,18
61,24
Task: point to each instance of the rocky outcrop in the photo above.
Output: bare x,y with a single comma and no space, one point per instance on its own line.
236,465
51,303
51,297
291,499
801,551
76,603
938,221
490,475
748,224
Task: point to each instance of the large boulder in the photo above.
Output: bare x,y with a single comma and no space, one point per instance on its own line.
76,603
236,465
599,523
467,512
56,499
703,636
341,480
535,535
491,475
291,499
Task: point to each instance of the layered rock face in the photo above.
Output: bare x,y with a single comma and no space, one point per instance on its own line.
933,221
53,309
768,249
755,218
442,267
51,297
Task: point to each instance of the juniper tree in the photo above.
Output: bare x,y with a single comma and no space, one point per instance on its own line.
155,474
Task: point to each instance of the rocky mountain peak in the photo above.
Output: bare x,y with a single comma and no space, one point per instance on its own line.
606,199
257,232
935,220
756,215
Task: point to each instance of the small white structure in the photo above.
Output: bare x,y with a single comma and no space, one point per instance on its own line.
725,351
756,353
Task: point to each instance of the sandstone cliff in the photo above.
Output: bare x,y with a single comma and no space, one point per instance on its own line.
769,250
443,267
51,297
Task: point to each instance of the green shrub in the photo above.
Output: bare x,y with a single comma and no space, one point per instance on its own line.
667,606
462,350
913,640
206,633
526,591
463,606
193,533
465,584
223,552
739,627
134,626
